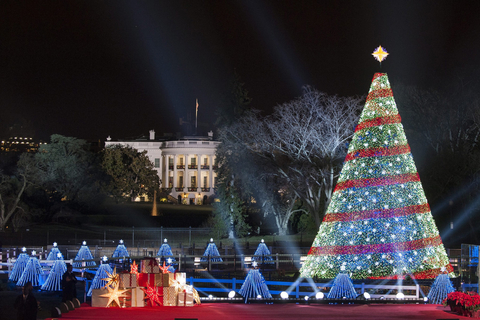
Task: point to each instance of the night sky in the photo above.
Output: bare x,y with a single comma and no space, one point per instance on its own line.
91,69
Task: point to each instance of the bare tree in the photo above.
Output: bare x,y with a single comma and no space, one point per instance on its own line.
305,142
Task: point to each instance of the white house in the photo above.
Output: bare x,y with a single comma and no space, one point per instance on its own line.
185,166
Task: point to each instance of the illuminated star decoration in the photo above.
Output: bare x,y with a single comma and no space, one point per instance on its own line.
152,295
113,279
380,54
113,295
164,269
134,268
254,264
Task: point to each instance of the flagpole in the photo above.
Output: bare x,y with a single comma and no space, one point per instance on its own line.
196,116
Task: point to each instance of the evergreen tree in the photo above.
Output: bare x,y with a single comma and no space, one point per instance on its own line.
120,251
19,266
54,279
83,254
254,286
31,272
262,254
378,224
165,251
53,254
212,252
102,273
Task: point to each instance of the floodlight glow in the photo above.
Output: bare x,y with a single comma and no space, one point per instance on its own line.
284,295
54,244
425,299
259,297
84,243
306,298
211,239
319,296
263,241
366,295
400,296
231,294
210,297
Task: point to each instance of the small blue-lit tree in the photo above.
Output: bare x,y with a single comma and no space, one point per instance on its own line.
262,254
342,287
166,251
441,287
120,251
54,279
31,272
211,252
19,265
53,254
101,273
254,285
83,254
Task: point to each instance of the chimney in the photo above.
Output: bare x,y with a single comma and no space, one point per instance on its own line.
152,134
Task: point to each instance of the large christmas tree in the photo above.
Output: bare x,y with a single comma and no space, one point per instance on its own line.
378,223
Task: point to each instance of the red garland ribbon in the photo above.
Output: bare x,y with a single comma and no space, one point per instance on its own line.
378,122
384,181
426,274
378,152
377,248
378,75
377,213
380,93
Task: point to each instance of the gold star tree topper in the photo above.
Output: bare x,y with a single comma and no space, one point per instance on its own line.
380,54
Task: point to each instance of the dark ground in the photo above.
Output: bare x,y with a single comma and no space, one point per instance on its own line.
48,300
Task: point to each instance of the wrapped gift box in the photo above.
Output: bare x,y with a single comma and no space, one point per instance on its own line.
149,265
128,280
98,301
185,299
168,278
150,280
169,295
135,298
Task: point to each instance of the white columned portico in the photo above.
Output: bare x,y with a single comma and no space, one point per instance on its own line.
199,176
175,177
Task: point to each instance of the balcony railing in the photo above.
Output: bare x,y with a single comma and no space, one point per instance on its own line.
179,189
205,189
192,189
204,167
192,166
180,166
167,190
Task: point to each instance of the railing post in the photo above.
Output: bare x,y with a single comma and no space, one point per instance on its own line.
363,288
234,283
297,290
277,260
179,262
417,292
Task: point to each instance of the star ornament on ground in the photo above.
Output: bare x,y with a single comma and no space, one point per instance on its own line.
113,279
114,295
380,54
